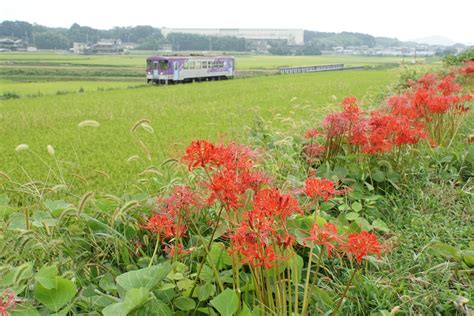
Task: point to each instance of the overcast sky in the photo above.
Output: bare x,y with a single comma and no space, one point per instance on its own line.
404,19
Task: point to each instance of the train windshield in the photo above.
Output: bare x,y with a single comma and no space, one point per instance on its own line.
164,65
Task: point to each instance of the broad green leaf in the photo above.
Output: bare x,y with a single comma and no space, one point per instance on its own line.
363,223
107,283
356,206
344,207
17,221
380,225
340,172
226,303
378,175
5,209
42,218
134,299
468,257
219,256
154,308
26,312
56,298
446,250
352,216
46,276
245,311
205,291
56,207
147,277
184,303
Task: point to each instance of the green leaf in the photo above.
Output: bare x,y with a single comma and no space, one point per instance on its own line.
380,225
17,221
219,256
42,218
154,308
205,291
184,303
245,311
356,206
324,296
107,283
5,209
340,172
147,278
46,276
26,312
134,299
352,216
468,257
446,250
364,224
378,175
57,297
56,207
226,303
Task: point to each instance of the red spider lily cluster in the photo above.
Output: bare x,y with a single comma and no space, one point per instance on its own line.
8,301
429,110
357,245
255,213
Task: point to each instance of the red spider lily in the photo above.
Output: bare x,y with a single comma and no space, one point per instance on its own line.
362,244
349,101
228,186
384,131
272,203
8,302
326,236
448,87
181,198
321,188
468,67
427,81
173,251
200,153
311,133
164,225
313,151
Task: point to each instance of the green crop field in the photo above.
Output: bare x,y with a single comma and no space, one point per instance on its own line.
63,66
98,158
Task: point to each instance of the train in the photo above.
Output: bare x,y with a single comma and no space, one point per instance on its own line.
189,68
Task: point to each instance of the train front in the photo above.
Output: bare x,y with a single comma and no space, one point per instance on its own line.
157,69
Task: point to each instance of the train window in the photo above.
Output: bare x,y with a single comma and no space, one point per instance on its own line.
198,65
204,64
164,65
186,65
209,64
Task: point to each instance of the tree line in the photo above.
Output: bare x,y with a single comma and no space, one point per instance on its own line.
150,38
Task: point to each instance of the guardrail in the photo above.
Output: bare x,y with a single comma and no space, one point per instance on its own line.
304,69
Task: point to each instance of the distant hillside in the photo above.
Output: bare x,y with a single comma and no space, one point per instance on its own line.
435,40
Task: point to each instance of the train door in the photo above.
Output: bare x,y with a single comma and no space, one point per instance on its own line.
175,71
155,69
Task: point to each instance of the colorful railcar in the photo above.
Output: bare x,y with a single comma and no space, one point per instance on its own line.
175,69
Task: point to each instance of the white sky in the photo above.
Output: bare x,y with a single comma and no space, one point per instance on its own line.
404,19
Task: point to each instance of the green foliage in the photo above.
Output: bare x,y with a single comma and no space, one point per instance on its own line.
454,60
226,303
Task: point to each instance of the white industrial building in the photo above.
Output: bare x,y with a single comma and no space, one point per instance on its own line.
290,36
